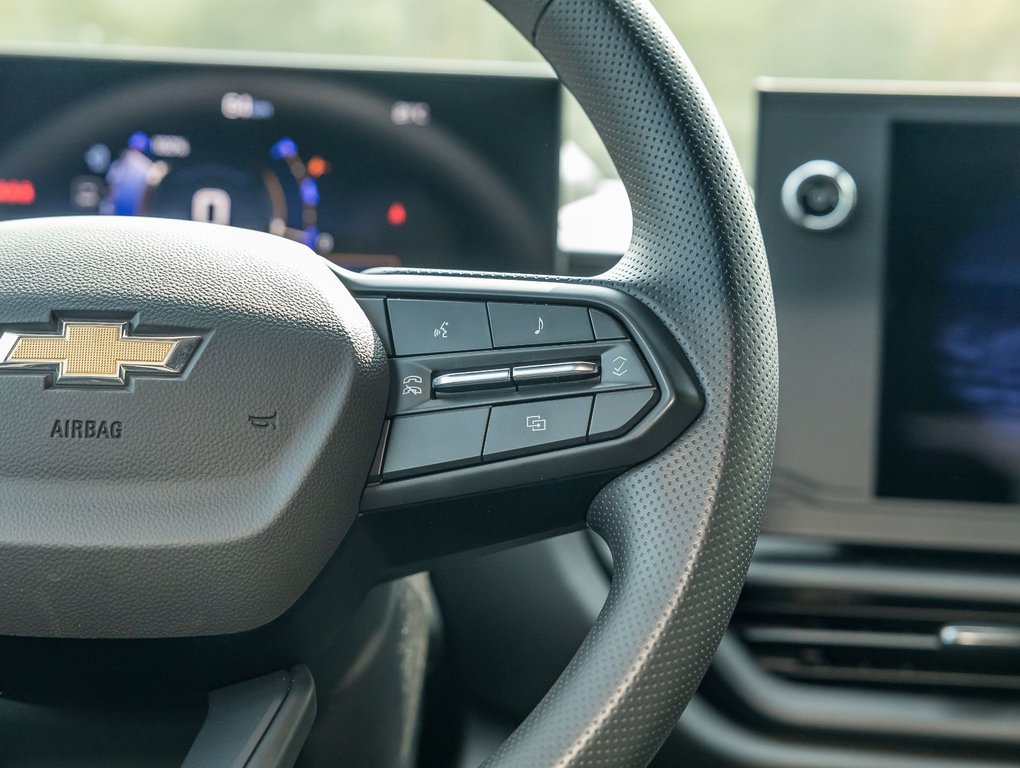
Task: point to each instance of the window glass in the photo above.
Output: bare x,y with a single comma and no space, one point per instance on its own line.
730,41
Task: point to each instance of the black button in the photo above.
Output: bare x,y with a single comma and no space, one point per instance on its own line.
432,442
425,327
410,385
622,367
616,412
606,326
515,430
525,325
375,309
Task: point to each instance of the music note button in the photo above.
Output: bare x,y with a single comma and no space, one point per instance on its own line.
525,325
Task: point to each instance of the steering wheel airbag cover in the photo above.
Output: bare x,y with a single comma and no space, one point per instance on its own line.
225,490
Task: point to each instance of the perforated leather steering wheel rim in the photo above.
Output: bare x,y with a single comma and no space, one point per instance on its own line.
682,526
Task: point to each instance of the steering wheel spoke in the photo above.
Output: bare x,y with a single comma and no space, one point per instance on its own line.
511,403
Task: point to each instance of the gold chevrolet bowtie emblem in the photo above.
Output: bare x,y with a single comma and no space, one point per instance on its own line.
95,352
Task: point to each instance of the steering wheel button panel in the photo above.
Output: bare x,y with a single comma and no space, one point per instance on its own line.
528,325
606,326
506,375
516,430
616,412
433,442
538,398
422,327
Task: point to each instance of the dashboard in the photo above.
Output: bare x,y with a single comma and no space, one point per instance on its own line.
890,214
370,168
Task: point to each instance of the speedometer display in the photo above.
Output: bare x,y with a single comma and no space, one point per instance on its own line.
157,176
366,168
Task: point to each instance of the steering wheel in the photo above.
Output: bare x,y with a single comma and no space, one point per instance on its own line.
216,442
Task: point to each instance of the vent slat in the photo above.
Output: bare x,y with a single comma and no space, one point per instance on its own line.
898,677
874,612
841,638
849,638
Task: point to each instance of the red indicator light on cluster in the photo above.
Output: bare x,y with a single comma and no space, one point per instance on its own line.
396,215
16,192
317,167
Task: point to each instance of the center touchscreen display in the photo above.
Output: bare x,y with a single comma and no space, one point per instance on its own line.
950,423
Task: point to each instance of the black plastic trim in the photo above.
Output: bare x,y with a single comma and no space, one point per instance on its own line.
261,723
725,744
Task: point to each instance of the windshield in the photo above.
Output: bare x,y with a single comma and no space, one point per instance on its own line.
730,41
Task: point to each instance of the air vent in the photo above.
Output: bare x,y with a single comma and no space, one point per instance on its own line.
841,636
881,645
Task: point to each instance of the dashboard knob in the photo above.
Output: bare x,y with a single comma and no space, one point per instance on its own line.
819,195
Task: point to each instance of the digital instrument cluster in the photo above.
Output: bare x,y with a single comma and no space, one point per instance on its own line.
367,168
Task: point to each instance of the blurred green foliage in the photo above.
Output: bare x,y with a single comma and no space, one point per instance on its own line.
730,41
